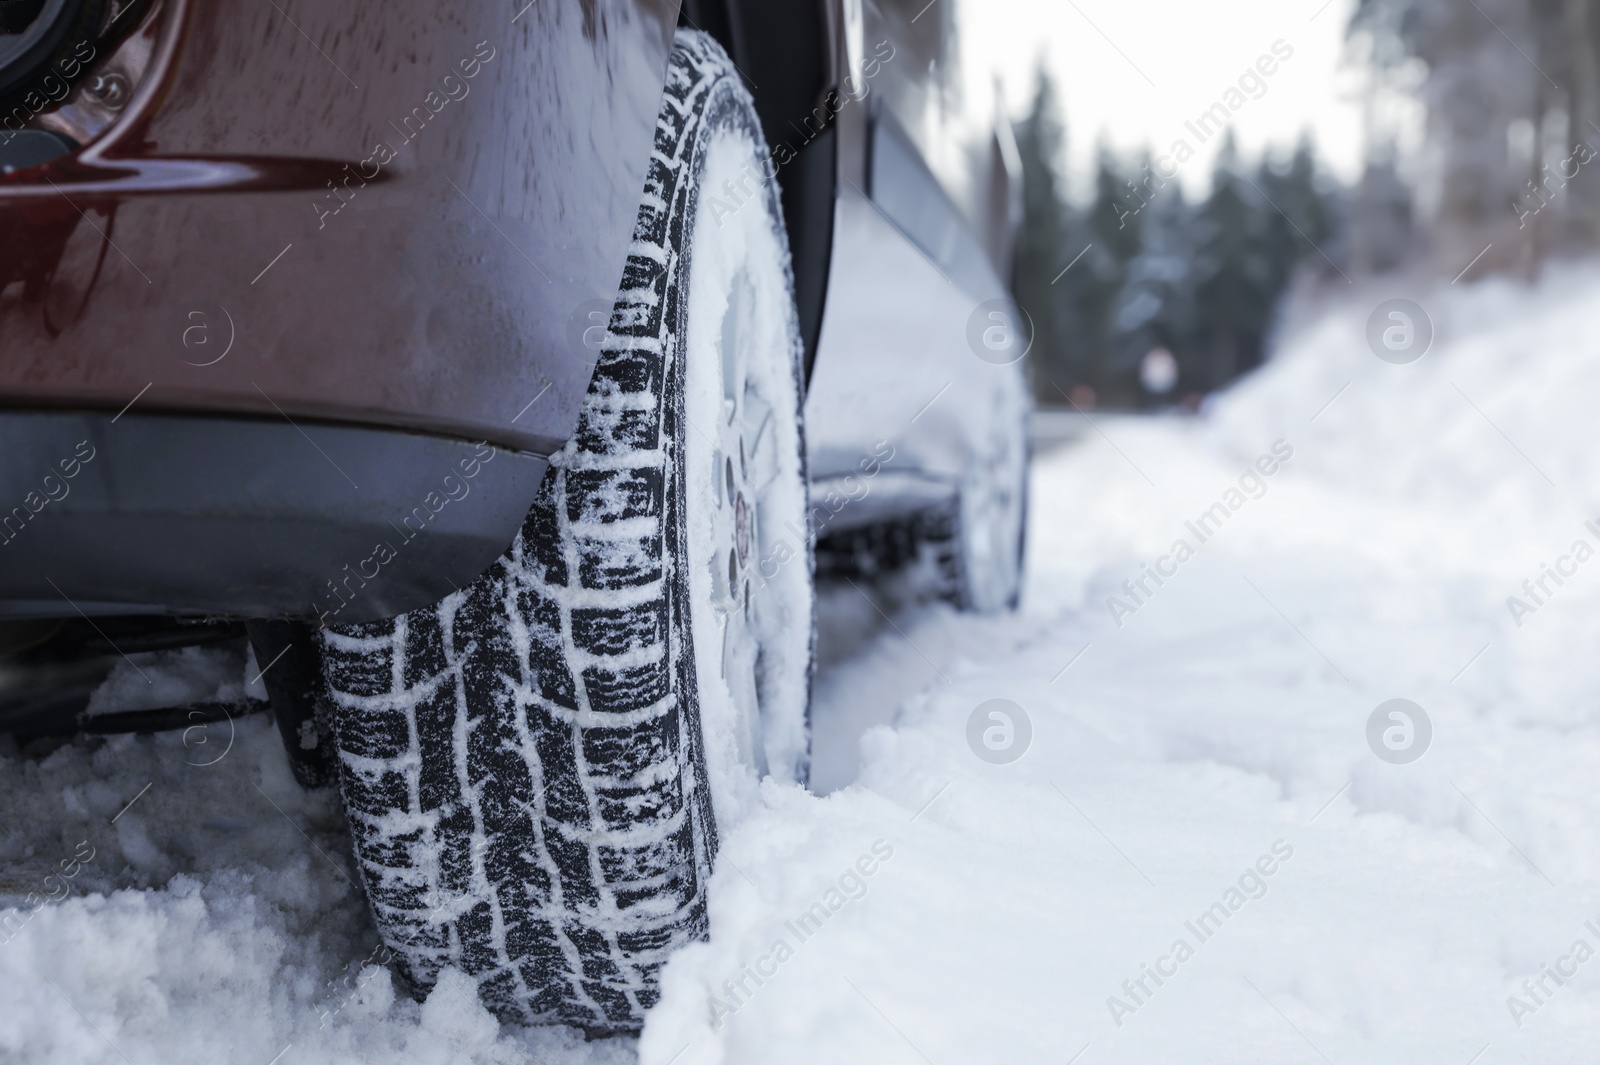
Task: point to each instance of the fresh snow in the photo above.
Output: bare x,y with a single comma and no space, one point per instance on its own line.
1008,913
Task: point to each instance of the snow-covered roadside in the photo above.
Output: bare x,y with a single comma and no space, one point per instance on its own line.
942,908
213,919
1219,727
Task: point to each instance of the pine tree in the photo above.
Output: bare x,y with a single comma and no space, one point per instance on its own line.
1299,228
1110,234
1155,307
1046,220
1235,288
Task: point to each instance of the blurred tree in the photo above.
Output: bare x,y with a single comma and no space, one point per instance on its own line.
1046,224
1110,237
1382,235
1151,271
1300,227
1235,287
1512,96
1155,307
1580,24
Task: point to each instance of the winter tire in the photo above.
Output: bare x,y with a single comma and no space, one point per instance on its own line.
535,769
980,537
967,550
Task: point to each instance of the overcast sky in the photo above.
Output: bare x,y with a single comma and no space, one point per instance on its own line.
1136,71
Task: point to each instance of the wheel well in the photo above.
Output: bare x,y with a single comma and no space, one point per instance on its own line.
788,45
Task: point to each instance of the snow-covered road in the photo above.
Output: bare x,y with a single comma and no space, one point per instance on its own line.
1198,857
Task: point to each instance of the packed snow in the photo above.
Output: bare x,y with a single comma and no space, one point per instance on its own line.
1199,856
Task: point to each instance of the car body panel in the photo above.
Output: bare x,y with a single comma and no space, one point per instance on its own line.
898,385
254,517
947,107
894,366
435,290
322,252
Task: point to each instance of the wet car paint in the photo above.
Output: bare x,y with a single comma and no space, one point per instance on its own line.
393,218
309,215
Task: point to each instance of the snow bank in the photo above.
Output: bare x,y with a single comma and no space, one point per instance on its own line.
1491,425
1104,897
1031,909
213,920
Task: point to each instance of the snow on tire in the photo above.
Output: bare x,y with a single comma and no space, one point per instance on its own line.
534,769
980,537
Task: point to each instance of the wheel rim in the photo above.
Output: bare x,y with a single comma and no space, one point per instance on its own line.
992,514
746,549
738,483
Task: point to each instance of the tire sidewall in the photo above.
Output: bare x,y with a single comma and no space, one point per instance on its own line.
729,116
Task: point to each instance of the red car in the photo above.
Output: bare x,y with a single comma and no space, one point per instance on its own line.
309,310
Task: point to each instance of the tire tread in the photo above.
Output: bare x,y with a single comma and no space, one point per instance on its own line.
522,763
